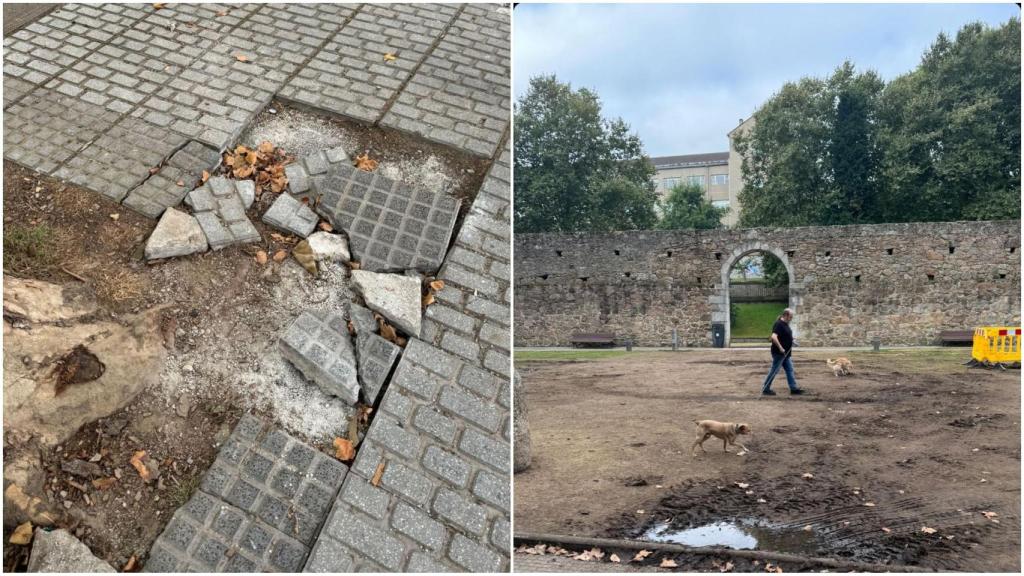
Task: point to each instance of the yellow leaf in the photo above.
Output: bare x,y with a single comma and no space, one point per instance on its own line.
668,563
22,534
131,565
378,474
136,461
388,57
365,163
343,449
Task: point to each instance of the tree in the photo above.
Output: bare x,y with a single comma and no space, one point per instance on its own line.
687,208
575,170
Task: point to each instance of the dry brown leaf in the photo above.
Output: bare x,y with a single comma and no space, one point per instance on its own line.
280,255
727,567
387,331
22,534
390,57
354,265
428,300
143,470
159,5
266,147
303,254
206,176
989,515
615,558
641,555
807,475
343,449
886,530
103,483
261,257
437,285
869,504
326,226
180,182
377,474
668,563
132,565
154,170
241,57
115,217
743,485
223,13
928,530
251,157
364,414
365,163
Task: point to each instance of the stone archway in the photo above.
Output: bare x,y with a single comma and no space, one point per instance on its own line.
720,298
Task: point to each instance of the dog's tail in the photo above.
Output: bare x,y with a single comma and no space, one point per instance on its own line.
829,361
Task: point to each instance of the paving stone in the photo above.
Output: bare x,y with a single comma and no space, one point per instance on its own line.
290,215
162,189
349,75
376,357
472,556
177,234
328,247
362,319
320,347
15,89
457,97
220,209
394,296
249,522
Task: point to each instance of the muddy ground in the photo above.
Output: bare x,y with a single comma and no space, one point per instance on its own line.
911,440
223,312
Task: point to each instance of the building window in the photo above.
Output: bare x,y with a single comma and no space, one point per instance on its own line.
719,179
698,180
720,203
670,183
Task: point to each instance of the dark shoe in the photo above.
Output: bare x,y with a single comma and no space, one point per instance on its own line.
767,393
796,392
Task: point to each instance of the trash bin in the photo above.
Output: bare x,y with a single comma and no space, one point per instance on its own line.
718,335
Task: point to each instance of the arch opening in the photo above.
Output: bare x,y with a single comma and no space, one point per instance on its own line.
757,282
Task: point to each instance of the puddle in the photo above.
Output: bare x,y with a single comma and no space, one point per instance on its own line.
745,534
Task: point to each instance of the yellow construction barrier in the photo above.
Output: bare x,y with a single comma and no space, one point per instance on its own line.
996,345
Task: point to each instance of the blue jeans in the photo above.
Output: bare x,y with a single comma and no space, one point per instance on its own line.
787,365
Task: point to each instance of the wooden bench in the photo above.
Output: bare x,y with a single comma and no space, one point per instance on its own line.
599,340
956,337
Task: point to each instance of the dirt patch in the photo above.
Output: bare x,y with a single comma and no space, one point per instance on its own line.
882,436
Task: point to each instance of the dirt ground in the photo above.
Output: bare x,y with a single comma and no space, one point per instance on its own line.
223,314
911,440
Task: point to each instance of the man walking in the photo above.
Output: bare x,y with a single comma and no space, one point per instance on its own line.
782,349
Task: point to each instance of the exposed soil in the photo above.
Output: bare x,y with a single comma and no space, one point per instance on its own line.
928,442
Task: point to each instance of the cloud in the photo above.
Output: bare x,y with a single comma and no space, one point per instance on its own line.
683,75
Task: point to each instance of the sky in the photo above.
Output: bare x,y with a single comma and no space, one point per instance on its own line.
683,75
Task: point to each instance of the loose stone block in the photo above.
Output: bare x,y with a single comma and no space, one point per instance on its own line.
319,346
376,357
395,296
290,215
220,209
177,234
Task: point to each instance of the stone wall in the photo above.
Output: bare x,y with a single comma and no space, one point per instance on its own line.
902,283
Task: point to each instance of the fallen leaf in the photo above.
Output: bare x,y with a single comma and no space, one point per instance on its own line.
437,285
615,558
886,530
180,182
280,255
377,474
869,504
136,461
639,511
22,534
326,227
206,176
428,300
131,565
241,57
261,257
303,254
103,483
641,555
343,449
223,13
949,537
115,217
158,5
743,485
727,567
807,475
387,331
389,57
808,528
769,568
365,163
668,563
761,501
928,530
989,515
354,265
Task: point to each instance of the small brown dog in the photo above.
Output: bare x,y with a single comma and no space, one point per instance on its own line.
726,431
840,366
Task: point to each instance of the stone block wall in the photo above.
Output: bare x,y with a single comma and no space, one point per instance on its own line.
901,283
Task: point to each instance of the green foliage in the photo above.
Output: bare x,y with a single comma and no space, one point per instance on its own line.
754,319
940,143
686,207
774,271
28,248
574,169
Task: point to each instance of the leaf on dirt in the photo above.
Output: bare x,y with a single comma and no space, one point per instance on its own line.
261,257
377,474
928,530
103,483
304,255
326,227
807,475
147,469
343,449
389,57
743,485
886,530
749,492
761,501
132,565
365,163
206,176
22,534
641,555
437,285
428,300
808,528
280,255
668,563
727,567
989,515
615,558
265,147
869,504
241,57
115,217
